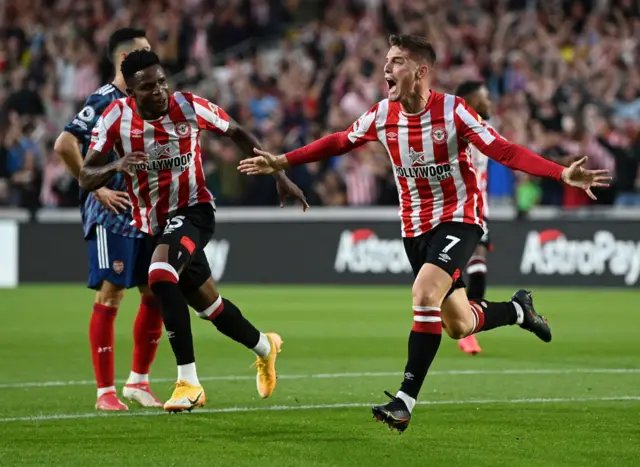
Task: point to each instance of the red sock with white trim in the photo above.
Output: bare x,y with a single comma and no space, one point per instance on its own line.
424,341
101,341
147,331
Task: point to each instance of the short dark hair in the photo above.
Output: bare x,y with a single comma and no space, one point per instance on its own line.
123,36
136,61
467,88
418,45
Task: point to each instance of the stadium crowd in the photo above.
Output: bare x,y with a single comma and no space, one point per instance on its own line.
564,76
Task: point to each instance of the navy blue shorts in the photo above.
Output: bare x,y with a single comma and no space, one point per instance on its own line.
120,260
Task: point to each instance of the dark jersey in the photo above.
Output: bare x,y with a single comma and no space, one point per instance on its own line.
81,127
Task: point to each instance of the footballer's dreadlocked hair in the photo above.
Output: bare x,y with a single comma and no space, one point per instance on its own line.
467,88
136,61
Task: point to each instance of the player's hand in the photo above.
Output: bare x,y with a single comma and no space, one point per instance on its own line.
130,161
286,188
265,164
116,201
576,175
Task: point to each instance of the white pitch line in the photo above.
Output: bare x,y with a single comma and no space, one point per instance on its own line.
566,371
281,408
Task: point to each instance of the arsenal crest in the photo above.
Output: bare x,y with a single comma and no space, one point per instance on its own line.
118,266
183,129
439,134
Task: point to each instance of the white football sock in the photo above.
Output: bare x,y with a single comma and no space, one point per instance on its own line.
409,401
519,311
188,373
102,391
263,348
137,378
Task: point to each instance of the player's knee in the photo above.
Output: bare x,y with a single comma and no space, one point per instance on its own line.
423,295
109,296
162,274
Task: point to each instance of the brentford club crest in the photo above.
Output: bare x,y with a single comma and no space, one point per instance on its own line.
439,134
118,266
183,129
214,109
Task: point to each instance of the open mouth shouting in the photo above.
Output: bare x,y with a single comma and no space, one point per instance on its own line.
391,83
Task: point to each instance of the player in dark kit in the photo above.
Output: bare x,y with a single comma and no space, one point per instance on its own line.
426,135
156,136
119,254
476,95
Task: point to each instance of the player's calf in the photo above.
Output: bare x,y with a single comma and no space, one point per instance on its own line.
101,339
429,289
486,315
147,331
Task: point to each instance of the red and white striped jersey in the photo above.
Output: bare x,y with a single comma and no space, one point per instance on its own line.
481,164
431,157
173,178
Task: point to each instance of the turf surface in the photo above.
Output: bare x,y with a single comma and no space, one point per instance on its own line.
573,402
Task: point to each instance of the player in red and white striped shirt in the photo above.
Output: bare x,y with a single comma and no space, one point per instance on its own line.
156,135
428,136
476,95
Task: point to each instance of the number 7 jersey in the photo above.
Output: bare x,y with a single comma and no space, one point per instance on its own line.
173,178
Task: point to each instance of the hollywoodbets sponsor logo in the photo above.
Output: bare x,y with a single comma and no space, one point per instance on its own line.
183,162
435,172
550,252
361,251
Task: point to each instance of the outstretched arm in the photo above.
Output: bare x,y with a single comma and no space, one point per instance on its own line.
517,157
336,144
332,145
247,142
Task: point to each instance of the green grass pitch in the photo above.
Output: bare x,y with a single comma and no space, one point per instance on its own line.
573,402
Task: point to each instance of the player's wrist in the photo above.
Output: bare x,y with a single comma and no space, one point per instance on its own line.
282,162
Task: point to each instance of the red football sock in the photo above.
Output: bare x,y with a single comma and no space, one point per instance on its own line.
101,340
147,331
478,317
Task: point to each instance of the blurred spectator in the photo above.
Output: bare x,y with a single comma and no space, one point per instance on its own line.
565,77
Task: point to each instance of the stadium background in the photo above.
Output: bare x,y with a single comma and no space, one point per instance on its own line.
565,79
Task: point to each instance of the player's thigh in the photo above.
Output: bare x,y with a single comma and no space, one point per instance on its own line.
197,284
145,247
449,248
429,279
457,318
430,286
187,232
176,244
112,265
